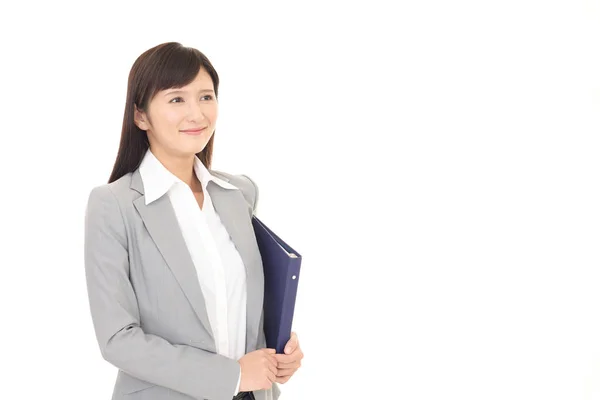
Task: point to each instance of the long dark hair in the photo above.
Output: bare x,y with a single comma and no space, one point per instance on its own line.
168,65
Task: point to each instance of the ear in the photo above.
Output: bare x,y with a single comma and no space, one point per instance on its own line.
140,119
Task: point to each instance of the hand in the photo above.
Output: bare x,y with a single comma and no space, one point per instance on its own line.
288,363
259,370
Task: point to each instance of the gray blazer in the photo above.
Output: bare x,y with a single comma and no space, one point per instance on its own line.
146,304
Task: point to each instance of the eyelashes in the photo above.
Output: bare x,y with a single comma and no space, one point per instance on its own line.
180,99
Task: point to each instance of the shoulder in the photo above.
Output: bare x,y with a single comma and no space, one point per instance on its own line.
111,198
105,210
244,183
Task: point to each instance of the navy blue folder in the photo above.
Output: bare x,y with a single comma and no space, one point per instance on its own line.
281,265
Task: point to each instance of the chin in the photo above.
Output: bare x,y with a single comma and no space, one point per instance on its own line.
197,150
187,152
193,147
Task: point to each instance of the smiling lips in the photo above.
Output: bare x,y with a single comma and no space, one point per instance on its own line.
195,131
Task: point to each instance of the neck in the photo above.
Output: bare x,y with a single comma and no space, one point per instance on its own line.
180,166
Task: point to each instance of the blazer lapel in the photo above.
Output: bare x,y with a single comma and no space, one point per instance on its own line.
232,209
161,223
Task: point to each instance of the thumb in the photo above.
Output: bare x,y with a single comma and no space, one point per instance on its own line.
270,351
292,344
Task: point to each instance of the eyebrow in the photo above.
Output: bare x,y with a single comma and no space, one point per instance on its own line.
185,91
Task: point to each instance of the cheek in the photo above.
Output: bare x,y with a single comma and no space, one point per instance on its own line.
173,118
212,114
167,122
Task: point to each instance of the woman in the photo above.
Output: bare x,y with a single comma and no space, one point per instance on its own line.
174,274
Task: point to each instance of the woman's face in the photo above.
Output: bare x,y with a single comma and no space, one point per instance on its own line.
181,121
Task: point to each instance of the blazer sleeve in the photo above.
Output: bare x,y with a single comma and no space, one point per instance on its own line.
114,309
253,195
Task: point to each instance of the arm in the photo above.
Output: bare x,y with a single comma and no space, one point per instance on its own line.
255,194
113,304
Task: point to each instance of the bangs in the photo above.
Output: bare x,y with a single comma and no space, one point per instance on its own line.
177,68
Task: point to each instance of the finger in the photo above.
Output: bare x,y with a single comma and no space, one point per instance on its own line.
295,365
291,344
269,351
272,360
283,380
288,358
285,372
272,368
272,376
284,358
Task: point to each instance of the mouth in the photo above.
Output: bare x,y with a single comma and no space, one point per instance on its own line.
195,131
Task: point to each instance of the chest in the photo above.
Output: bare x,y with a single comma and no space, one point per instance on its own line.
199,196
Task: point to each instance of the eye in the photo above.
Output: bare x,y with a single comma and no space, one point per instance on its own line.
176,98
207,97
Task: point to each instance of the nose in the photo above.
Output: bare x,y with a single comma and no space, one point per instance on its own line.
195,112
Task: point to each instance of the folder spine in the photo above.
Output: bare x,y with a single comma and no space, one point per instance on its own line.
289,298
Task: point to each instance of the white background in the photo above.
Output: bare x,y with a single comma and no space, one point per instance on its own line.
435,162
